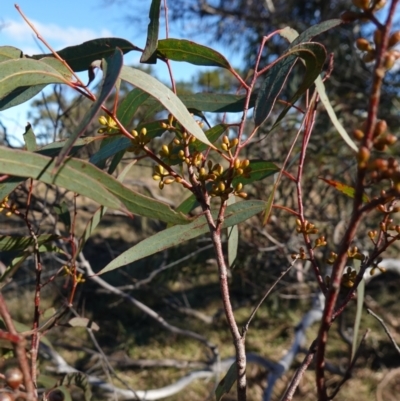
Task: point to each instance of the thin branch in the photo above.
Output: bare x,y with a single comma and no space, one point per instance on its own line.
380,320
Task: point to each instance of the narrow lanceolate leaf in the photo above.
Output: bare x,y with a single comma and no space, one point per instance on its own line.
276,76
190,52
20,73
315,30
166,97
73,174
292,36
314,61
149,54
80,57
87,180
29,138
98,215
176,235
20,95
130,104
225,385
111,70
9,53
6,187
16,243
344,189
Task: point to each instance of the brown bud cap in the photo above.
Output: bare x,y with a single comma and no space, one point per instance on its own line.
394,39
363,156
242,195
363,44
389,60
358,134
380,128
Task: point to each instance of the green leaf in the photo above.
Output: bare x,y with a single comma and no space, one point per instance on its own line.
233,238
23,73
260,169
9,53
29,138
18,243
7,186
294,37
314,62
80,57
73,174
58,66
63,214
82,177
190,52
149,54
53,149
111,70
278,74
315,30
130,104
314,56
98,215
166,97
178,234
20,95
225,385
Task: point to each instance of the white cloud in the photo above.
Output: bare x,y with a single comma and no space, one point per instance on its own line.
20,35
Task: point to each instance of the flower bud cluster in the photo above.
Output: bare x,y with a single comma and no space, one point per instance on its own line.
139,141
305,227
227,145
369,49
109,126
10,209
165,178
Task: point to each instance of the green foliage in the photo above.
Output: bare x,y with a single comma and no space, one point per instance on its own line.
168,136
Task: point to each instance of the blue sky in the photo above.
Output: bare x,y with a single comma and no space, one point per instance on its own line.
69,23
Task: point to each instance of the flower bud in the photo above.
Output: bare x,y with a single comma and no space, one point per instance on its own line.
394,39
363,44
